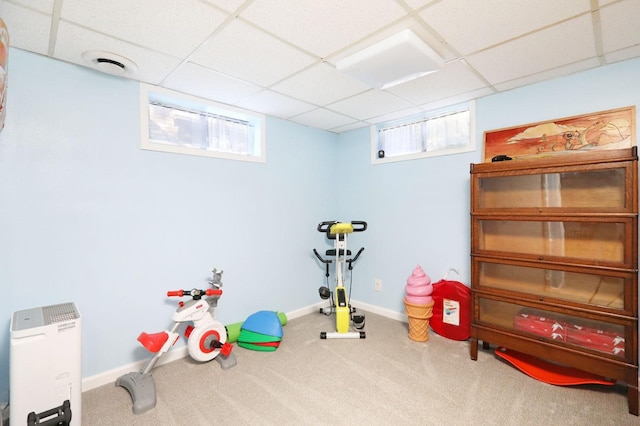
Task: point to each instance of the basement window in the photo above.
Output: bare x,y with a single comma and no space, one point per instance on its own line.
440,132
177,123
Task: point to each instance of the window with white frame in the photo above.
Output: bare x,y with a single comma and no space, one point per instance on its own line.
440,132
178,123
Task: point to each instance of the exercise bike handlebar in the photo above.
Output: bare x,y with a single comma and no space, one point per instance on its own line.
195,292
358,225
320,257
356,257
349,261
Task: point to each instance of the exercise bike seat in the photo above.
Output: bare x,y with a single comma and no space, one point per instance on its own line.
341,228
332,252
153,342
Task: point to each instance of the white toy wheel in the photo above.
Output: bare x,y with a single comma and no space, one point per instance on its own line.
201,339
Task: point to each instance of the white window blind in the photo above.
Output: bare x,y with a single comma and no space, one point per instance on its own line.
439,132
182,125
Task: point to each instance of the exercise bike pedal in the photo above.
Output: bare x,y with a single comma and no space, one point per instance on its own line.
358,321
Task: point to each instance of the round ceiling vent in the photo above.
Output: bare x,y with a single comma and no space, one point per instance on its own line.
110,63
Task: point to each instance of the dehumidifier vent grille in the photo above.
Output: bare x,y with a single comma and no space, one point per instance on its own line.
59,313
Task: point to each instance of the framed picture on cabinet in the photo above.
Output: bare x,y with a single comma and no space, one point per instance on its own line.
611,129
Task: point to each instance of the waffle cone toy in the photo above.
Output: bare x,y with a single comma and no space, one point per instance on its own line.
418,316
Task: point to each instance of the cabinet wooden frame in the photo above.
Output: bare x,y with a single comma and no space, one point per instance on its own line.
530,222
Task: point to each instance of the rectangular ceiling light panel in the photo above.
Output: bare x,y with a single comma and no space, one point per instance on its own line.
397,59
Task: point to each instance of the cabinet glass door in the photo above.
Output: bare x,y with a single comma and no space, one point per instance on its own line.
604,289
600,336
593,242
601,189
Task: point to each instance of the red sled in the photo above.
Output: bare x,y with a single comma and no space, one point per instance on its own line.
451,310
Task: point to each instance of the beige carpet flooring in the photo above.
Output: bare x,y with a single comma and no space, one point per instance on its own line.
385,379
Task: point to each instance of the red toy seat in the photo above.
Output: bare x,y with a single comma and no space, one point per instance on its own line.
153,342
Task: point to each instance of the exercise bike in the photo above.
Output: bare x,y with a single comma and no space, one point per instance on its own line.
339,297
206,340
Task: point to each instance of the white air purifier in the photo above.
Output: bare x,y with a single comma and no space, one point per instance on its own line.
46,362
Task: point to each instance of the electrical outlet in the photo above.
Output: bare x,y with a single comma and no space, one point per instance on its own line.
377,284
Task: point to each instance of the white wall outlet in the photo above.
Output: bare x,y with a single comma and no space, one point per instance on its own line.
377,284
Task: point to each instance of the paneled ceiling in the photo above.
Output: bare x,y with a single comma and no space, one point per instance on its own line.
278,57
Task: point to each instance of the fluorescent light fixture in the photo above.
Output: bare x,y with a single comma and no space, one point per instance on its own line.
394,60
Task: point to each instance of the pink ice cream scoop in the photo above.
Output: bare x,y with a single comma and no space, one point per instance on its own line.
418,289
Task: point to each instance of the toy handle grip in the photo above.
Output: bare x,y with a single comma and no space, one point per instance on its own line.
178,293
214,292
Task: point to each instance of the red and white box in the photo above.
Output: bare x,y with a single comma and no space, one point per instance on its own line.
535,322
598,338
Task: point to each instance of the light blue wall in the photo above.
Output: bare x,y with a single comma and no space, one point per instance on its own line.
418,214
88,217
418,211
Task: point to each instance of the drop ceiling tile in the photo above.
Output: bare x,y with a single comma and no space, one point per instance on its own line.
45,6
321,84
550,74
278,57
458,99
621,55
346,128
163,25
73,41
619,24
323,27
205,83
455,78
228,5
417,4
28,29
559,45
369,104
322,119
250,54
272,103
404,113
470,26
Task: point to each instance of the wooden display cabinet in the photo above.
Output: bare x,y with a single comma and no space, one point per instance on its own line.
554,261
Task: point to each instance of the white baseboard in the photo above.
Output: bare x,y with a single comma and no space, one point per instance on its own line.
304,311
388,313
110,376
